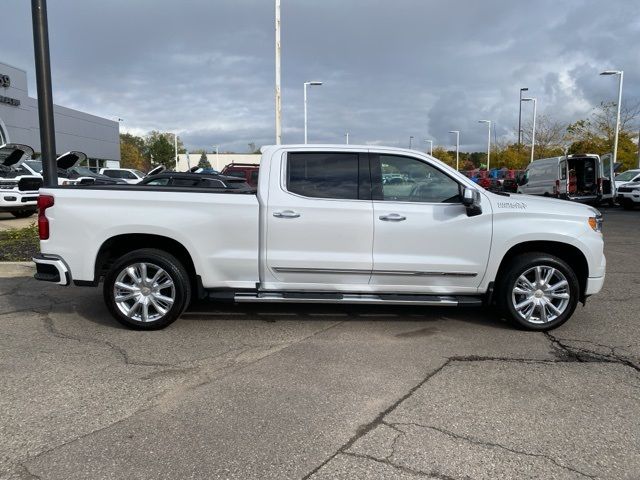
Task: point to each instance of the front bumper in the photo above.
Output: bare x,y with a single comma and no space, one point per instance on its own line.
51,268
12,200
633,196
594,285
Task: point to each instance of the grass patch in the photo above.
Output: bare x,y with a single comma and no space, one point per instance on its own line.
19,244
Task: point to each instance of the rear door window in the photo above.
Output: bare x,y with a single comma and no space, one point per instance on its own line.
323,175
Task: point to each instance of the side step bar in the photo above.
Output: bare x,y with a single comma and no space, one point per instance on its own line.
370,299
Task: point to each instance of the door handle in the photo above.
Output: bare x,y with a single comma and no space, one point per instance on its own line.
392,217
286,214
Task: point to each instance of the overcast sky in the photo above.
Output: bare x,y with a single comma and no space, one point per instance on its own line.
391,68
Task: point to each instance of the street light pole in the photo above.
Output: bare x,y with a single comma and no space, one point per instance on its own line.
306,84
488,122
175,148
217,157
45,94
615,140
430,142
278,93
520,117
457,132
347,135
410,142
533,131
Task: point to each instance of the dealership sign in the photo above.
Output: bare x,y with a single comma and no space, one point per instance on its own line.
5,81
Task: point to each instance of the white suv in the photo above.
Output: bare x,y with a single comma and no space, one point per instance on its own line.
18,186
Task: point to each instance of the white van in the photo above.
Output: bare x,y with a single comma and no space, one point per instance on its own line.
584,178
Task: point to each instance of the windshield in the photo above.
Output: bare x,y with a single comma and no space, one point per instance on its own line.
138,173
35,165
627,176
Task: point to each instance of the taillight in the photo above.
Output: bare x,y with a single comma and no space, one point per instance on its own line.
44,202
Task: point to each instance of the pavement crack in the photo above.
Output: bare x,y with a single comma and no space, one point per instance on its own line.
50,327
402,468
485,443
570,353
378,420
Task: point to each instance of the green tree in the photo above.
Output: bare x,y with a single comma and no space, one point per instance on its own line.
159,148
204,162
444,156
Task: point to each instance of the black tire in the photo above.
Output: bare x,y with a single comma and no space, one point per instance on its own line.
505,296
155,260
23,213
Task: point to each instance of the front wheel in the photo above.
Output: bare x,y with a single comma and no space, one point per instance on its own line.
538,291
147,289
23,213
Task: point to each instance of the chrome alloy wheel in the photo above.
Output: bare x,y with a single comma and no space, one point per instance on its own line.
541,294
144,292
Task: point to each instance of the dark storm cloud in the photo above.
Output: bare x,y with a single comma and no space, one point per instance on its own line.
391,69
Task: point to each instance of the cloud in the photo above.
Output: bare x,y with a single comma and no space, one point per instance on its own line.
390,69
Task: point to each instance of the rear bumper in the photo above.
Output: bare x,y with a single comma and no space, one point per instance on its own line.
594,285
51,268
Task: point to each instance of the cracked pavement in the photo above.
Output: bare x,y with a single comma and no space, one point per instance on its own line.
320,392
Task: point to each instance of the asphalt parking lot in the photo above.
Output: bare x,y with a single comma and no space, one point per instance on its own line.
321,392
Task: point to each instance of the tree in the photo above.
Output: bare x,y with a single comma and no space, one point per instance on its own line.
160,147
444,156
132,152
204,162
596,133
551,137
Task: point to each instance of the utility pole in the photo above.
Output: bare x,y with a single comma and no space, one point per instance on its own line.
520,117
278,85
45,95
457,132
410,142
175,148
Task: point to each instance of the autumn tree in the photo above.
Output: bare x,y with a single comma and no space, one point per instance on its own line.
132,152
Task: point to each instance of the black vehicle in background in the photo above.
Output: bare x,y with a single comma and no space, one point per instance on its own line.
196,180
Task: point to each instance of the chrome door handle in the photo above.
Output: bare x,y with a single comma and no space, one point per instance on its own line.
393,217
286,214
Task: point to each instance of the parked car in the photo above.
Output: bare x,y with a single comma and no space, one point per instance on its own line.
18,186
582,178
196,180
322,227
70,173
629,195
627,177
129,175
248,171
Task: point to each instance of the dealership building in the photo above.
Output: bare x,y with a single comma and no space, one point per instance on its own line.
96,136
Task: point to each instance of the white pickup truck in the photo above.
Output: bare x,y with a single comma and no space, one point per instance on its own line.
327,224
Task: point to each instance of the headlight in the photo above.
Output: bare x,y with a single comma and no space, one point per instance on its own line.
596,223
8,185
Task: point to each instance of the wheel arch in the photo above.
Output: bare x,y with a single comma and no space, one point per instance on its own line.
118,245
569,253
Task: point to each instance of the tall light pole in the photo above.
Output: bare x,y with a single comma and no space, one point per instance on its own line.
457,132
615,140
488,122
520,117
347,137
430,142
306,84
278,93
533,131
175,148
217,147
410,142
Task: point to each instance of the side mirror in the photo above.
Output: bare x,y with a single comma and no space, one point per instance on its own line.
471,200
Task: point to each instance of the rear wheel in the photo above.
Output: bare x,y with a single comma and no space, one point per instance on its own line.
147,289
538,291
24,213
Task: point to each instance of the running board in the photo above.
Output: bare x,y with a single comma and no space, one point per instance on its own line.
369,299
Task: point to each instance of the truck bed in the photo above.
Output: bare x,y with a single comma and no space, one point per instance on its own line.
219,228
